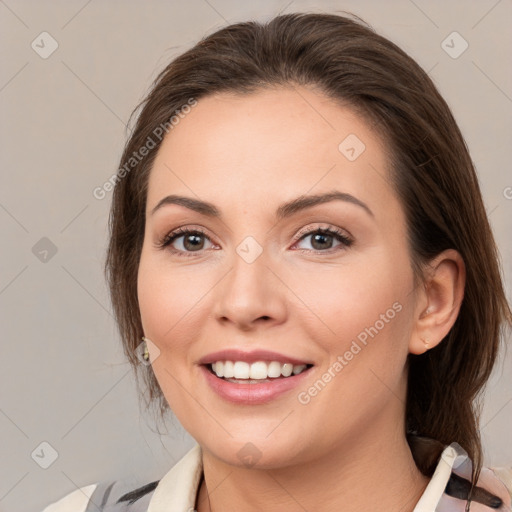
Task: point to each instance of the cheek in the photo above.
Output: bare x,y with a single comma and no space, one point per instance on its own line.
170,302
155,300
362,324
346,300
168,307
360,316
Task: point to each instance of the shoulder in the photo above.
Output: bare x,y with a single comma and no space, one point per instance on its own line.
114,496
75,501
492,491
450,489
504,474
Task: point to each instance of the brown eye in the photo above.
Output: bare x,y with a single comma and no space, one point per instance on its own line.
188,241
192,242
322,239
318,241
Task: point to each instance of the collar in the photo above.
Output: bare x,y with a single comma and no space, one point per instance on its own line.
435,488
177,490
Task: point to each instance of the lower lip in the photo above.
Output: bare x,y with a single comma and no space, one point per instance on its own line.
252,394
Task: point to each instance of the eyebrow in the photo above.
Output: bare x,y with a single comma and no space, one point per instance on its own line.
284,211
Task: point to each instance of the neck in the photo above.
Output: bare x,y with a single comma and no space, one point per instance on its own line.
372,472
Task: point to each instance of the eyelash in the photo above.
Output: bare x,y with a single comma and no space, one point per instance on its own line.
168,239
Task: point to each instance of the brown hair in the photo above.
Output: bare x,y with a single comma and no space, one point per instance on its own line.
432,173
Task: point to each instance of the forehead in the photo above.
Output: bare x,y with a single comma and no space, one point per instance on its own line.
278,142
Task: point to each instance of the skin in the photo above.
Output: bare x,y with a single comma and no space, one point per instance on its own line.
346,449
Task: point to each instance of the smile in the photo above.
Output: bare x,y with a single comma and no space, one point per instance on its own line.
251,384
259,371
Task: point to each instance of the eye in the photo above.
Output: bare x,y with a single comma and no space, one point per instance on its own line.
322,239
191,241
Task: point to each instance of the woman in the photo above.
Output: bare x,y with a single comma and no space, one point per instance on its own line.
341,377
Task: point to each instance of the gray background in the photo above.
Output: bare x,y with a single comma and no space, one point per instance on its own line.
64,379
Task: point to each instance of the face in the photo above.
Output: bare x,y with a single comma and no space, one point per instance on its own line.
257,277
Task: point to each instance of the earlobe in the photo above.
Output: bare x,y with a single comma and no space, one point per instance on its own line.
419,345
439,301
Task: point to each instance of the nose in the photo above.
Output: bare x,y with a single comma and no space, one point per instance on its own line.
250,294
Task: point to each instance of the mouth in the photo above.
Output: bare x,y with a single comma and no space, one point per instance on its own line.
254,377
241,372
258,383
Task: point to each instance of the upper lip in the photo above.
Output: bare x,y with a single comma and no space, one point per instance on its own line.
250,357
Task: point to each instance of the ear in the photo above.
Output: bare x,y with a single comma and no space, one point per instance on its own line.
438,301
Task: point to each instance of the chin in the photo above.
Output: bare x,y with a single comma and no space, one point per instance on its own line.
254,452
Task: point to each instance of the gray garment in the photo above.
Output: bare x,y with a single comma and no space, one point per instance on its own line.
105,497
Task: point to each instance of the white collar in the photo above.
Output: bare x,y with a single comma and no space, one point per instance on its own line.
177,490
435,488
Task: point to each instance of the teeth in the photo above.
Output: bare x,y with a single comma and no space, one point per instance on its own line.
259,370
